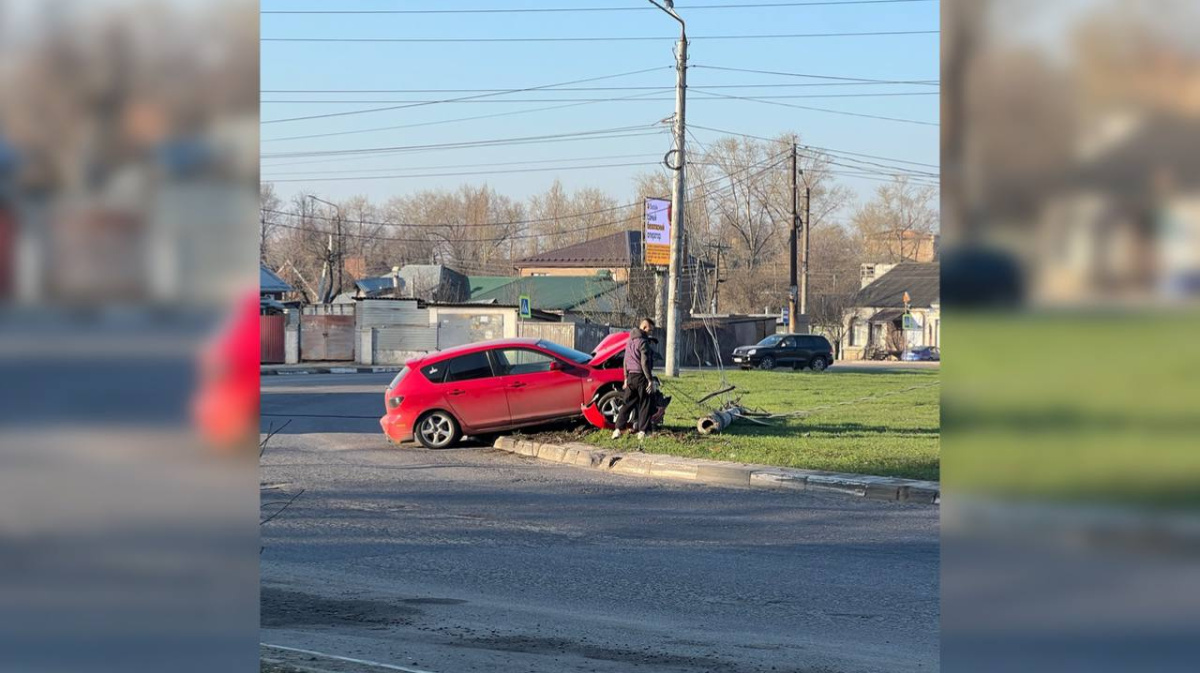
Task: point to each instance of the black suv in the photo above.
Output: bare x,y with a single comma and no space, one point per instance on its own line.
781,350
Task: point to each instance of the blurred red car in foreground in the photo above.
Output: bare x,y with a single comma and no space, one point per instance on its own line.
496,386
225,407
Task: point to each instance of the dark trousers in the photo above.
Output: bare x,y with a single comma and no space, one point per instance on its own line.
636,403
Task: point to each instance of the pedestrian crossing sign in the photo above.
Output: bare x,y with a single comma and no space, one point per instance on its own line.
526,307
911,323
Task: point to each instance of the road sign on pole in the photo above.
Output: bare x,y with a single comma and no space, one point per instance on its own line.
526,307
658,232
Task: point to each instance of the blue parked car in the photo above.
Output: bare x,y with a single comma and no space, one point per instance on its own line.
924,354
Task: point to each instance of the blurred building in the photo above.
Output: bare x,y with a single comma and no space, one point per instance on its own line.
1125,223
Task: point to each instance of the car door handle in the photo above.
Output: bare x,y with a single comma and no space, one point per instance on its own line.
518,385
456,393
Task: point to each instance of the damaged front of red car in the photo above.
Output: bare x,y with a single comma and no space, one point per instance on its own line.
602,409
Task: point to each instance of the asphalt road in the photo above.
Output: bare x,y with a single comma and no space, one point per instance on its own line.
475,560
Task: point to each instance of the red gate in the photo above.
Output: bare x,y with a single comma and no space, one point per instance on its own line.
270,335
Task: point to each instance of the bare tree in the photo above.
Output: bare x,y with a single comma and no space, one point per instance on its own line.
895,219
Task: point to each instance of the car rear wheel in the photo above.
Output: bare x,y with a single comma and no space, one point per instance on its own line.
819,364
437,430
767,363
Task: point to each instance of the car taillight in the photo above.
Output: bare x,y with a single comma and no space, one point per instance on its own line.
394,402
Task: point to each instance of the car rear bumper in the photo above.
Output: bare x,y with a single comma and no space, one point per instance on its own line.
397,428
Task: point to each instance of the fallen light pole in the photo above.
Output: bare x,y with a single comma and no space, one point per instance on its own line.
719,420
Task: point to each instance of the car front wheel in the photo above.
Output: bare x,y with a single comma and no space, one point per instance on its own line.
609,405
768,363
819,364
437,430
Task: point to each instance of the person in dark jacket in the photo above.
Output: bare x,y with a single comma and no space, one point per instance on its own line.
639,381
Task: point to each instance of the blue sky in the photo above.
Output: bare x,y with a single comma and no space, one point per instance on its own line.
308,67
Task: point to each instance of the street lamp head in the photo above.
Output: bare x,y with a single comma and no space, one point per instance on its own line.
669,3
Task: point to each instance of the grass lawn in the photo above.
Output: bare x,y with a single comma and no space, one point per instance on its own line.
1098,407
896,435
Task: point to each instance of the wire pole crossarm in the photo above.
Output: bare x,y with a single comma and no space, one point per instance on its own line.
335,257
678,192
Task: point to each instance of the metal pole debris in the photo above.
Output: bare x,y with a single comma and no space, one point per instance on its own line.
719,420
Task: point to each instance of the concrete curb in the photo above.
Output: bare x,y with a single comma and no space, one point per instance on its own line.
304,371
728,474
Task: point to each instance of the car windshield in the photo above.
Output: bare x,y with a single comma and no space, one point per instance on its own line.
770,341
566,353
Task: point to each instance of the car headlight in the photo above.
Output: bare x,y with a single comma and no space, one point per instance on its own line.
394,402
752,351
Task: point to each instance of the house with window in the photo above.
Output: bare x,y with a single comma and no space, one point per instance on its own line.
881,324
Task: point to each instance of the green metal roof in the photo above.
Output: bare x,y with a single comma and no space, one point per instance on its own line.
483,284
548,293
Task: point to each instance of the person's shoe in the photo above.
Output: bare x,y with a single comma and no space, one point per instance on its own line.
641,436
616,433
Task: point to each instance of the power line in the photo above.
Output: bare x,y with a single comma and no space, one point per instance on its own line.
546,10
370,154
606,133
451,100
593,38
639,98
811,76
820,109
849,81
487,165
815,147
451,175
542,220
448,121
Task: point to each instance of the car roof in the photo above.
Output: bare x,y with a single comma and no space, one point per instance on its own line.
477,347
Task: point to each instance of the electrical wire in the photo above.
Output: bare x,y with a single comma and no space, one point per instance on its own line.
640,98
816,147
547,10
593,38
451,100
453,121
451,175
520,140
501,224
820,109
931,82
849,82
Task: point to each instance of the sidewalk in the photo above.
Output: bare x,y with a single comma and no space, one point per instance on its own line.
729,474
326,368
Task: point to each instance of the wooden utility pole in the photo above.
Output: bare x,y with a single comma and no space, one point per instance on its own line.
804,253
715,308
792,287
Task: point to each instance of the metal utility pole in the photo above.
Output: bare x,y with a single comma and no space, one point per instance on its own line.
793,305
679,187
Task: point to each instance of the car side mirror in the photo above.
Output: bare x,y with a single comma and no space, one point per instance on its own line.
556,366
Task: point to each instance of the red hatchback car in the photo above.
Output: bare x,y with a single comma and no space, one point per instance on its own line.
496,386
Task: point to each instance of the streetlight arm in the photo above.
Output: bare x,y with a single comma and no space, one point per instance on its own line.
670,9
328,203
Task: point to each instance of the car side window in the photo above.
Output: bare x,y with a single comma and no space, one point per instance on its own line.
513,361
469,367
788,343
436,373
